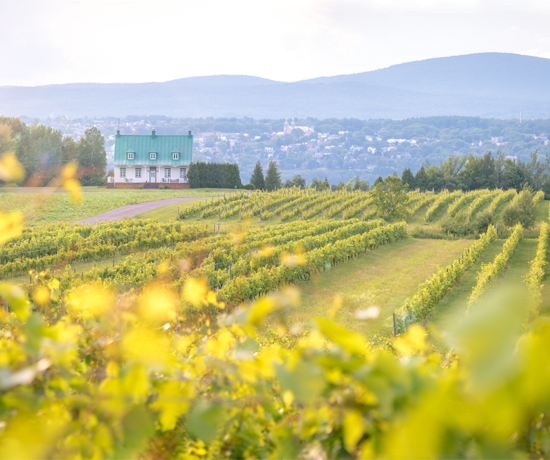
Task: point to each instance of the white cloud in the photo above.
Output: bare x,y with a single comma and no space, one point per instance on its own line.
134,41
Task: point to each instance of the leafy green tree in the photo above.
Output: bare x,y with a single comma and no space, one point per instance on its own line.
92,159
320,185
478,172
362,185
296,181
513,175
390,198
523,210
257,179
378,181
421,179
272,177
7,142
408,178
39,151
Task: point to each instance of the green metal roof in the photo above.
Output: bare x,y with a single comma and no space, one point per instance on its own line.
163,146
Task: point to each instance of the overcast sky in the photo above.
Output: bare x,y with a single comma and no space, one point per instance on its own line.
44,42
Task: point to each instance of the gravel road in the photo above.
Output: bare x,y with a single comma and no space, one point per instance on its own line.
134,209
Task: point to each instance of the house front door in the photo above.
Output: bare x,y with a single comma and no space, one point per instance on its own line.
153,175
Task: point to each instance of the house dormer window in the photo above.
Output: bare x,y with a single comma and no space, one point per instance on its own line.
175,156
153,155
130,155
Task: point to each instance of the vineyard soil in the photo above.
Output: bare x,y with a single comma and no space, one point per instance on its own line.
383,278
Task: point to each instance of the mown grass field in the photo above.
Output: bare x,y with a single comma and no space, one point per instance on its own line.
383,278
49,206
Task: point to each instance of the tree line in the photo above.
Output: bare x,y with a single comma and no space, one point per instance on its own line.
470,172
43,151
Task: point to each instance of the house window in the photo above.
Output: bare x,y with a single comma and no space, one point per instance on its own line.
175,156
167,173
138,173
122,172
130,155
153,156
183,173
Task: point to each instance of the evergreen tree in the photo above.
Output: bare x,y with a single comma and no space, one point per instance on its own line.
214,175
408,178
421,179
272,177
378,181
193,175
257,179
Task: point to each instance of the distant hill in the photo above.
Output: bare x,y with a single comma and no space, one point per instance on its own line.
494,85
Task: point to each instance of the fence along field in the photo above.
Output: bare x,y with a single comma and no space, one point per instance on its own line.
148,373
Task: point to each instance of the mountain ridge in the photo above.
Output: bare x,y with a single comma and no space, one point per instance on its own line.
495,85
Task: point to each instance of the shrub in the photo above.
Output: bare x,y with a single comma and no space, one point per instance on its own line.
249,187
163,187
521,210
141,187
458,225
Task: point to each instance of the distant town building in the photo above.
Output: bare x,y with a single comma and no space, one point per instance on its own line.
287,129
152,160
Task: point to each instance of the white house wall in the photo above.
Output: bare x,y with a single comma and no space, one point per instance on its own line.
131,174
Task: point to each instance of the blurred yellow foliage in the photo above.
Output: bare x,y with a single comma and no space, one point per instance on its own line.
11,226
70,183
10,168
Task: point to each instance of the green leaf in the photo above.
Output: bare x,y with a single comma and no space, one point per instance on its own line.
34,331
138,428
350,341
306,381
203,420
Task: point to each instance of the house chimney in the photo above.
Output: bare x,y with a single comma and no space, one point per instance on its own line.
190,133
118,132
154,133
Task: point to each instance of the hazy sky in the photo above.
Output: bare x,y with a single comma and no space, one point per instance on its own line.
43,42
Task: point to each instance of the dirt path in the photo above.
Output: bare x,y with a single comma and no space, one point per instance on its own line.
134,209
